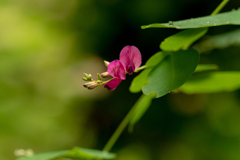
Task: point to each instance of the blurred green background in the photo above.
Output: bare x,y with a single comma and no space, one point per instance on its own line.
45,46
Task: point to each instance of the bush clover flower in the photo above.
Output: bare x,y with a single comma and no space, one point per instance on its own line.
131,58
129,61
116,70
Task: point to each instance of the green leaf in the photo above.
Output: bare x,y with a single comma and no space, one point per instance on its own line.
227,18
83,153
182,39
206,67
172,72
143,104
219,41
44,156
75,153
141,80
212,82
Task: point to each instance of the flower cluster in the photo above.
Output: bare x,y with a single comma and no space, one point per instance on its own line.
129,60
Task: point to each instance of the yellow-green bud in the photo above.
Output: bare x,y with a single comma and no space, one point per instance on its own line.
89,77
99,76
85,78
106,63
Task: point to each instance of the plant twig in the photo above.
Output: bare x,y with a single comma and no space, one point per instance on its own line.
119,130
219,7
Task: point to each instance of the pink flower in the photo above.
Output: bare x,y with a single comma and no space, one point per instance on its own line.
112,84
130,59
115,69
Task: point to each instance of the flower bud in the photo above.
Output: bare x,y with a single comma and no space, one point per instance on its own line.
106,63
105,74
90,85
89,77
99,76
85,78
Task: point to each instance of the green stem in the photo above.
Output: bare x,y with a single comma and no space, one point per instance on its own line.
140,68
102,83
219,7
119,130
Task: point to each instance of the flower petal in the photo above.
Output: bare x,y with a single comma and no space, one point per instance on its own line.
131,58
116,69
112,84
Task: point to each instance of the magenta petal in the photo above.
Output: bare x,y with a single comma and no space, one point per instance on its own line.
116,69
131,58
112,84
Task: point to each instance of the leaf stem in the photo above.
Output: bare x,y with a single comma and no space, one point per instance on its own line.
219,7
119,130
140,68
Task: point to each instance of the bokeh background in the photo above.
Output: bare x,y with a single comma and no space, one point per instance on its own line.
46,46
